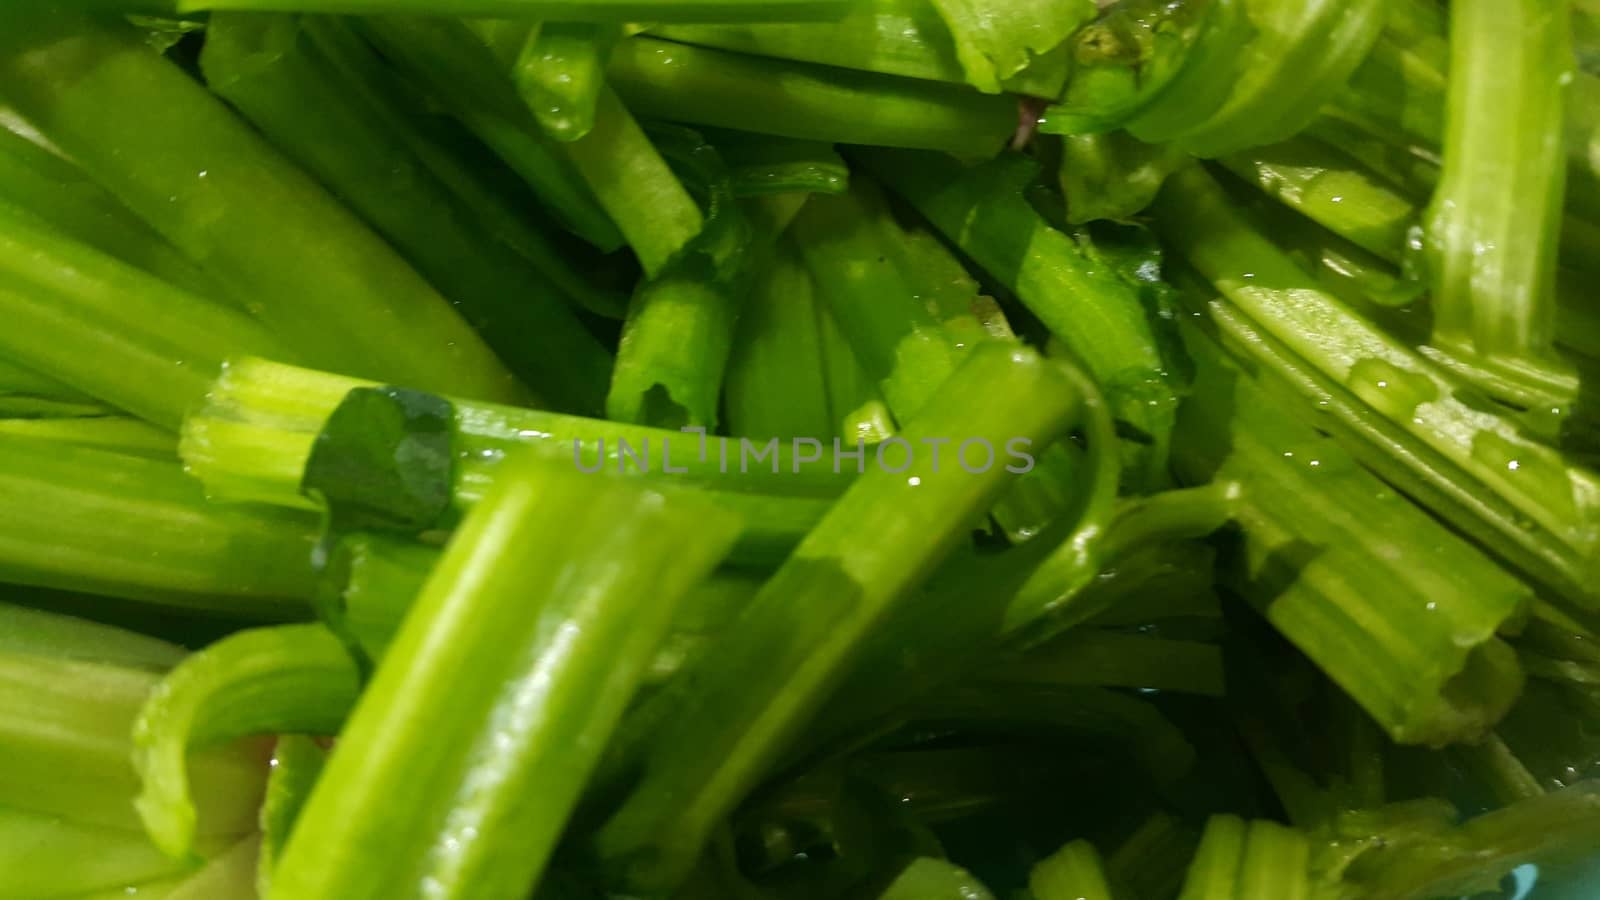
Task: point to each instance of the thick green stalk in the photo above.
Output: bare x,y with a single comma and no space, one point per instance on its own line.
617,11
109,523
891,37
895,335
674,352
1329,188
780,659
680,326
368,584
1398,611
1099,317
635,185
1240,860
46,856
1112,175
62,195
730,90
1491,231
561,75
269,69
1464,449
252,439
110,330
481,182
178,158
1151,861
371,581
66,730
776,386
1551,830
909,312
296,679
1072,873
483,701
448,60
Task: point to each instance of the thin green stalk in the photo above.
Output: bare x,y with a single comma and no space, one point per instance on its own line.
1403,164
108,523
1302,54
33,632
1457,447
483,701
1129,58
480,181
1393,607
617,11
1491,231
1369,283
1092,656
1072,873
297,763
926,878
856,409
1332,190
762,164
25,408
268,68
783,655
118,433
1136,727
61,194
776,385
561,75
1099,317
1210,70
291,678
16,379
730,90
892,37
1492,764
995,40
448,61
178,158
114,332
